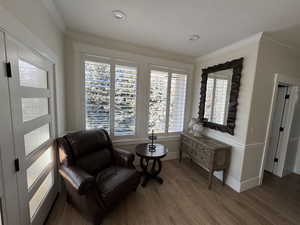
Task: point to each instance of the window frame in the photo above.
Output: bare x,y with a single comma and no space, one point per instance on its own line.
170,72
113,62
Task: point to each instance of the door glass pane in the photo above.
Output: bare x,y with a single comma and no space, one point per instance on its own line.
125,100
35,138
177,102
34,107
158,101
32,76
36,169
97,95
41,193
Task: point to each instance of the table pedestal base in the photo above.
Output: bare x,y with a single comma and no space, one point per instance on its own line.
151,172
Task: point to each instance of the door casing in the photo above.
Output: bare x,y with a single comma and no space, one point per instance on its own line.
294,85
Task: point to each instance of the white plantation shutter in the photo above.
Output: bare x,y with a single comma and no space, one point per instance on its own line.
97,89
177,102
158,101
125,100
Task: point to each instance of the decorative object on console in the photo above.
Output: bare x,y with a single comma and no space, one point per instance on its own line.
152,146
219,93
195,127
208,153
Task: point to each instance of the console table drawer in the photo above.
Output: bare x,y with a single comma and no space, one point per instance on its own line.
202,157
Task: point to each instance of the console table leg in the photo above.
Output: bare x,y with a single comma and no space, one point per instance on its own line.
224,176
211,172
180,153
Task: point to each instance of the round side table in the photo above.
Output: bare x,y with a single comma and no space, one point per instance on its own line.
146,156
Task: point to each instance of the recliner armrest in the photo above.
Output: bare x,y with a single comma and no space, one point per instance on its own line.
78,178
124,158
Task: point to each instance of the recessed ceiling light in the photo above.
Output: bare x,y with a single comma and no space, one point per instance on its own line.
194,37
119,15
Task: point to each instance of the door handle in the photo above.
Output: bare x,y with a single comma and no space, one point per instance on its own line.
17,165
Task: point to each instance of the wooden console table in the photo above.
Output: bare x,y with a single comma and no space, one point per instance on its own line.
208,153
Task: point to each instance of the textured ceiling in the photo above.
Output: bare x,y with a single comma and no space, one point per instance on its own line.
166,24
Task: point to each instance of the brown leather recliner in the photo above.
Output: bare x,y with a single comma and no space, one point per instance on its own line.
96,175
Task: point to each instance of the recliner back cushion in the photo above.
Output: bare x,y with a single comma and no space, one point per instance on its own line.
91,149
88,141
95,161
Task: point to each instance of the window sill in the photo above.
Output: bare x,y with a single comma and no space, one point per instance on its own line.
134,141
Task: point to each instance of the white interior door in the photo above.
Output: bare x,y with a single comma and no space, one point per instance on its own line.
31,90
276,130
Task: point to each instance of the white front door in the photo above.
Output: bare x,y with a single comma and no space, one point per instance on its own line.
31,89
8,188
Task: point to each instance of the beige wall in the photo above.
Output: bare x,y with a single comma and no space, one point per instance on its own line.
29,22
273,58
263,59
249,50
77,45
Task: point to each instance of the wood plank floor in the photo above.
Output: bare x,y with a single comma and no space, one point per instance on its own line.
183,199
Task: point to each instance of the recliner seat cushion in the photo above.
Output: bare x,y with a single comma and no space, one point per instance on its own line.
116,182
95,161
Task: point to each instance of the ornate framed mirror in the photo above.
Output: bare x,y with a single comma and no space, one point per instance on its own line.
219,93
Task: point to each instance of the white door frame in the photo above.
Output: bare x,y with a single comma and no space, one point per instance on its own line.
10,201
294,85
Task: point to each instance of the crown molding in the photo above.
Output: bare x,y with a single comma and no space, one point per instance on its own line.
252,39
292,48
127,47
55,14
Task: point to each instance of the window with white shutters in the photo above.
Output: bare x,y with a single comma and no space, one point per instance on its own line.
158,101
167,101
110,93
177,102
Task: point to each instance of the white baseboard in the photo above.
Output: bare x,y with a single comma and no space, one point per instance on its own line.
230,181
171,155
297,171
236,185
250,183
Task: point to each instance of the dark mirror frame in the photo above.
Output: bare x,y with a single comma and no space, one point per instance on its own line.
237,67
